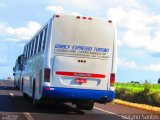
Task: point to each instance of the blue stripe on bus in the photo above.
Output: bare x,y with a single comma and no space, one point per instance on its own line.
82,94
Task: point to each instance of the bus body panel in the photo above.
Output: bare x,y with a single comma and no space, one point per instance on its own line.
92,71
69,36
72,94
75,50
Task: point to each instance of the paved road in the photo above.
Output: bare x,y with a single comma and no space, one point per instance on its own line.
14,107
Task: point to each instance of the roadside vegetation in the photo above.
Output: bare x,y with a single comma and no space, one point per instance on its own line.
145,107
139,93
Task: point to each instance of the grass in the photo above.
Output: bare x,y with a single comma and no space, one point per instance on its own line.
138,106
137,87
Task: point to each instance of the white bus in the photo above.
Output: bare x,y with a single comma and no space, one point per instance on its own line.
17,71
71,59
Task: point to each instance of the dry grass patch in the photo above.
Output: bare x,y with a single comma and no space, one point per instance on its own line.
139,106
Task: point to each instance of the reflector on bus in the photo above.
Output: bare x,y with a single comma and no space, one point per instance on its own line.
112,79
46,75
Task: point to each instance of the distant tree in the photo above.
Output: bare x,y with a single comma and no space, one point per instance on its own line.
146,81
159,81
136,82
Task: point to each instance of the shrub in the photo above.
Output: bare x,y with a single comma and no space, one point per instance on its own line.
155,98
147,87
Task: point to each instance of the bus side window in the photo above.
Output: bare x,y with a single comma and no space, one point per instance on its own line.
40,41
44,40
36,44
26,51
32,47
29,49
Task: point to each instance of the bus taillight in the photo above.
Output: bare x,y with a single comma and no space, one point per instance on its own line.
112,79
46,75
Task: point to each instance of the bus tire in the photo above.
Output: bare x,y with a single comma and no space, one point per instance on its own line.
35,102
21,86
18,87
85,106
25,95
14,83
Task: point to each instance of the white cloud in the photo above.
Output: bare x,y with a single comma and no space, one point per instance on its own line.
129,4
122,62
76,13
131,64
152,67
155,43
59,9
81,4
2,5
139,29
20,33
3,59
96,4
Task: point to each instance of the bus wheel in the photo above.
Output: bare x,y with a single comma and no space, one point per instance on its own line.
85,106
18,85
25,95
21,86
14,83
35,102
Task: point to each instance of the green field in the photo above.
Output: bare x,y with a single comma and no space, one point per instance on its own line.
137,87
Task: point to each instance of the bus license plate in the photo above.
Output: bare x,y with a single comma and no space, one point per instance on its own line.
80,80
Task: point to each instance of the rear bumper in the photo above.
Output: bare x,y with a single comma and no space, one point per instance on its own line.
71,94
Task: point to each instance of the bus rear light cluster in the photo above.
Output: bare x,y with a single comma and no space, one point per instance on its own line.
46,75
112,79
82,61
89,18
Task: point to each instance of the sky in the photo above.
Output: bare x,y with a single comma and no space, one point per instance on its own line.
137,22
